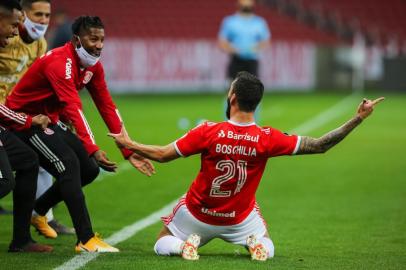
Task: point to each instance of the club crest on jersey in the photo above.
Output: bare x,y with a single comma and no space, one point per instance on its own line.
267,131
68,72
48,131
88,77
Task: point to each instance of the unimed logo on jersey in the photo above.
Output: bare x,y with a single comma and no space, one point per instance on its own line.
68,74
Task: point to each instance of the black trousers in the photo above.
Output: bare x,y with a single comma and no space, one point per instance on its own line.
19,157
238,64
62,154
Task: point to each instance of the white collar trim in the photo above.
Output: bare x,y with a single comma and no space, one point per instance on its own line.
241,124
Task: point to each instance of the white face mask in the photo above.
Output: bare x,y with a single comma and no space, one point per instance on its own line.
35,30
86,59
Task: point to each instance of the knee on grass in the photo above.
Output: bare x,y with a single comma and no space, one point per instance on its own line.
168,245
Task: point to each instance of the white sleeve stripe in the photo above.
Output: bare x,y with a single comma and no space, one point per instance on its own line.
89,131
119,117
17,115
299,139
13,116
177,149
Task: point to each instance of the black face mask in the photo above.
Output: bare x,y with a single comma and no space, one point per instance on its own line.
246,9
228,110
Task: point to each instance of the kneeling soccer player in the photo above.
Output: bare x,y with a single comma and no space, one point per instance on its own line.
221,201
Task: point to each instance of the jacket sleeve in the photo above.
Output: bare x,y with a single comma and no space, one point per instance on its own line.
13,120
62,82
97,88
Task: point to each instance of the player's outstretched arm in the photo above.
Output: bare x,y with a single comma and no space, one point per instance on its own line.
154,152
311,145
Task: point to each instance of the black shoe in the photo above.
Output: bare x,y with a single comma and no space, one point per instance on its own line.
60,228
31,246
5,211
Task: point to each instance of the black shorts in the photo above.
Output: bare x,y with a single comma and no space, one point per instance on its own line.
14,156
63,155
237,64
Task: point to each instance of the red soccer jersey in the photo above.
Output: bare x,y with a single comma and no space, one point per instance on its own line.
233,159
51,87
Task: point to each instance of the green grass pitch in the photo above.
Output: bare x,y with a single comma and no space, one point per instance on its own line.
341,210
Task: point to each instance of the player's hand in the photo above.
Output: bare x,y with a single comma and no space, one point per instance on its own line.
367,107
142,164
122,139
41,120
104,162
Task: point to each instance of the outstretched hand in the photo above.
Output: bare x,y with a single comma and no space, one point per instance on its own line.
122,139
142,164
367,107
104,162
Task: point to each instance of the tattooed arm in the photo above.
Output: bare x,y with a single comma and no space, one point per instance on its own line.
309,145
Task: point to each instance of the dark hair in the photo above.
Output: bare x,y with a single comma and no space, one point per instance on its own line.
10,5
28,3
85,23
248,90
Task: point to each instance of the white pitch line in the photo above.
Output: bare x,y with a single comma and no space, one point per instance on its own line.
81,260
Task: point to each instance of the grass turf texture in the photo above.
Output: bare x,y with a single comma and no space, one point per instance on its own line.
341,210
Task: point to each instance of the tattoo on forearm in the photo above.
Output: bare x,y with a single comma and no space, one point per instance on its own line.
311,145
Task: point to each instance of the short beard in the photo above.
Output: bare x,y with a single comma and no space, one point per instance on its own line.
228,110
246,10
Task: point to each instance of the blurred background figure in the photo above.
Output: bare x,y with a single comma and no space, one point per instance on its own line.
62,31
243,35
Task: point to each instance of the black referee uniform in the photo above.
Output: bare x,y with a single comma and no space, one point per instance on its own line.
238,64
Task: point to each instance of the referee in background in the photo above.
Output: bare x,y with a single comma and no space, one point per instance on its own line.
243,35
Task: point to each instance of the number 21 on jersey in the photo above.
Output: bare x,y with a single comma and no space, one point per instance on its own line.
229,169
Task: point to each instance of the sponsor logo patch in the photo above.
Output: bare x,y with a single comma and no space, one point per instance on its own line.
68,74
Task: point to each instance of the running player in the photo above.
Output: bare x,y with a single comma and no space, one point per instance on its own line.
15,59
221,200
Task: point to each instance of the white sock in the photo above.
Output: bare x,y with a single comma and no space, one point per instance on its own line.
268,244
168,245
43,183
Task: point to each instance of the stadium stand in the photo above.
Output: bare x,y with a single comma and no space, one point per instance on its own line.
383,18
186,19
